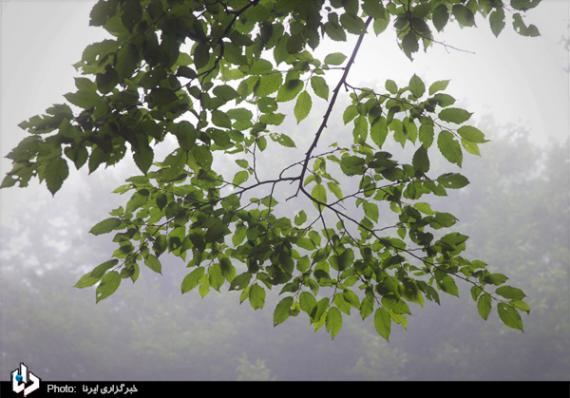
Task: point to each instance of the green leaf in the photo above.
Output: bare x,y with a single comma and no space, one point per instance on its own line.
360,132
216,230
319,193
454,239
92,277
83,98
161,96
100,13
440,17
240,177
351,297
417,86
99,270
227,93
333,321
320,87
497,21
444,100
300,218
335,189
453,180
455,115
192,280
510,316
221,119
110,282
426,134
282,309
161,201
242,163
379,132
444,220
215,277
510,292
366,306
203,156
496,279
256,296
420,160
86,281
439,85
241,281
472,134
374,8
204,287
307,302
105,226
127,61
352,165
153,263
391,86
335,31
56,171
380,24
371,211
349,113
201,55
143,157
424,208
410,44
8,181
522,29
289,90
303,106
344,259
227,269
239,236
464,15
524,5
521,305
268,84
447,284
352,23
383,323
471,147
186,134
476,292
450,148
484,305
319,310
335,59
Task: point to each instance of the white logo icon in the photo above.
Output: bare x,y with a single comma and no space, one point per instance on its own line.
21,377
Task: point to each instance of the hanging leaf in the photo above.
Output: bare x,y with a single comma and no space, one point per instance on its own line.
450,148
303,106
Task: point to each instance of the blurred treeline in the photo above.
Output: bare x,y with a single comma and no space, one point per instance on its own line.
516,212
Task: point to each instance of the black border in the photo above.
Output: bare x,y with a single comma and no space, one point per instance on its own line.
391,388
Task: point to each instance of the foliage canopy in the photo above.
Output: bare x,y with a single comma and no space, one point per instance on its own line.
213,74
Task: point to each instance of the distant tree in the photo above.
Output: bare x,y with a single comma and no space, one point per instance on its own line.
213,74
252,371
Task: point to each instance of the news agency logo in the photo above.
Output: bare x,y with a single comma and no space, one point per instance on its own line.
21,379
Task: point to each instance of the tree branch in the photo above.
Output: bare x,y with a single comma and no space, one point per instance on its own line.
220,41
326,116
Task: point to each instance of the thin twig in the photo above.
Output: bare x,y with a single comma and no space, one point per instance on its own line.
331,104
